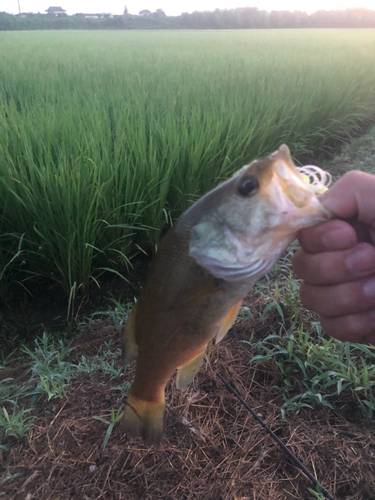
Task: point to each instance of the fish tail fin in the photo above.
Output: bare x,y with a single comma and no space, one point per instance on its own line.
144,418
129,344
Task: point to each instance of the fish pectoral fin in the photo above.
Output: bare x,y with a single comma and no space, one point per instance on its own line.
228,321
186,373
194,295
144,418
129,344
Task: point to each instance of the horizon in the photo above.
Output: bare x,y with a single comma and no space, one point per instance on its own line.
116,7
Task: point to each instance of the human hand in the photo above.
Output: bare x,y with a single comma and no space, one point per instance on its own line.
337,261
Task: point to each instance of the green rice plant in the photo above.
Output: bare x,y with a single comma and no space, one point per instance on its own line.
50,371
115,417
10,251
104,133
5,263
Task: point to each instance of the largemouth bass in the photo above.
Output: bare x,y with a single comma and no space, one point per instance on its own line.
205,266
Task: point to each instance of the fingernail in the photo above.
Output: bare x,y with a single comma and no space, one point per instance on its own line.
369,289
362,259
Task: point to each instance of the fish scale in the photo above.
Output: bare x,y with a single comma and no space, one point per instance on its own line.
203,269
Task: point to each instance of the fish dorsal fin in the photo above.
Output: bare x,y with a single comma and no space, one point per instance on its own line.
185,373
228,321
129,344
193,295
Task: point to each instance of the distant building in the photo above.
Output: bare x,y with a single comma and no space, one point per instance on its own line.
56,11
96,16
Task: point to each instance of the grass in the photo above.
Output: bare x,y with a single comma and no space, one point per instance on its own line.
313,369
50,371
16,423
115,417
52,367
107,136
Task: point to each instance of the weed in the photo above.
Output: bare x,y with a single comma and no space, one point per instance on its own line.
124,389
312,368
104,361
119,315
98,364
318,368
7,360
48,367
318,495
115,416
16,423
9,476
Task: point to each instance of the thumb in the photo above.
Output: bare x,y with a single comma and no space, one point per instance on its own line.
353,196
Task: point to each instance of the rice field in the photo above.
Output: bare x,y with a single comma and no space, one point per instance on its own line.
105,137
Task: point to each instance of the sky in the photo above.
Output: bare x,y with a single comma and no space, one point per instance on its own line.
176,7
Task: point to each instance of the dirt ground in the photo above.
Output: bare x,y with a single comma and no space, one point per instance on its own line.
212,448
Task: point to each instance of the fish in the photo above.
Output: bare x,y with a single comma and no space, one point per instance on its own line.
205,266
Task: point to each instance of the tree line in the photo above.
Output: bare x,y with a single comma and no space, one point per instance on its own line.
240,18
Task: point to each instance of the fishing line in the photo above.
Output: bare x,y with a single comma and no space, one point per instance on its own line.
273,435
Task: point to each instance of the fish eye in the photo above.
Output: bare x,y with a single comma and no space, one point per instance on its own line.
249,186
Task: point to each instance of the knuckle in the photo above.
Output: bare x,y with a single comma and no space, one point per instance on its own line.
353,174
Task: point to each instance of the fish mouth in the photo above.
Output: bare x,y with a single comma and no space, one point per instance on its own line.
291,183
297,204
232,272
